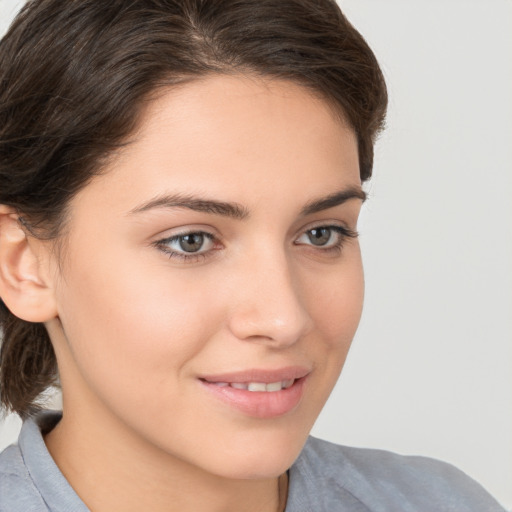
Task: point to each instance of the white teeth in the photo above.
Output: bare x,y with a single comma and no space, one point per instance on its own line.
274,386
288,383
259,386
238,385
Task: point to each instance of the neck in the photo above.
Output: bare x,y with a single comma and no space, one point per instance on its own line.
111,469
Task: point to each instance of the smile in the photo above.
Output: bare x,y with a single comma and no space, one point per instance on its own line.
261,394
258,386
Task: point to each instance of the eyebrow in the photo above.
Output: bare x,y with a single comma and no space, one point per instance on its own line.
332,200
198,204
240,212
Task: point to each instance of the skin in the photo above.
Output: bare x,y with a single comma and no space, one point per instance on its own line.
134,328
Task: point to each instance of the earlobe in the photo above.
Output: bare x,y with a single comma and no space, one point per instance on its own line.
24,287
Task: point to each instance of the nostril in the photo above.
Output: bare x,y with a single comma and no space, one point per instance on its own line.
267,306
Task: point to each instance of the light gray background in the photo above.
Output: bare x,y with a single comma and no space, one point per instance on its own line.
430,371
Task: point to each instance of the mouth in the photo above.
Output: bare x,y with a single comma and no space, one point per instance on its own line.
271,387
259,393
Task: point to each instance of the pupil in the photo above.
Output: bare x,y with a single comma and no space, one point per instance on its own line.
319,236
191,242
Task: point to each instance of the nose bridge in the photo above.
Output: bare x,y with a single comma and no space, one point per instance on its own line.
268,306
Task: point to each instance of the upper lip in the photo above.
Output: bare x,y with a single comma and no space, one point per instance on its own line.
259,375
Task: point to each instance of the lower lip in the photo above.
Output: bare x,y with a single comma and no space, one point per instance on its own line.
259,404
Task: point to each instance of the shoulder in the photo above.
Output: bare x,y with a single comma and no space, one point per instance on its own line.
17,490
380,480
30,481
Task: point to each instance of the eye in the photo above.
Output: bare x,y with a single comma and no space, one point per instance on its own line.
320,236
187,245
326,237
192,242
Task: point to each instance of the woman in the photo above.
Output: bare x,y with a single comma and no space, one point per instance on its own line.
180,187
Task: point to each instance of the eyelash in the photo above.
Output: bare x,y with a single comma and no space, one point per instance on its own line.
194,257
342,232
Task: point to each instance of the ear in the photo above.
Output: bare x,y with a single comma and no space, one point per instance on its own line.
25,287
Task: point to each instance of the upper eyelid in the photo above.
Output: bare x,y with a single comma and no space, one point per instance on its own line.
327,224
160,242
185,233
342,232
182,231
213,233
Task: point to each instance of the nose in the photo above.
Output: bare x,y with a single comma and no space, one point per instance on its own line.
266,305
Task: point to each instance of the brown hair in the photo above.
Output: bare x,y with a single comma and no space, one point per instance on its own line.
74,76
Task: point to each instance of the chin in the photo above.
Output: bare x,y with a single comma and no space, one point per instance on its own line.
260,455
263,466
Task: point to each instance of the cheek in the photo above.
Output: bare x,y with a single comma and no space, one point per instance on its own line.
131,330
336,301
335,305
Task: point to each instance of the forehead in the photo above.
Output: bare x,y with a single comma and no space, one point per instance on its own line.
225,135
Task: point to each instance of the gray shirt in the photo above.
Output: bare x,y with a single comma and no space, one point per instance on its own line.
325,478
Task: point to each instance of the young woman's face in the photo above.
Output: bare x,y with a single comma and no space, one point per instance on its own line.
210,288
